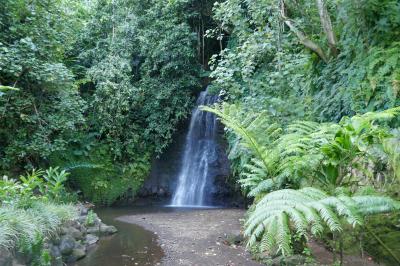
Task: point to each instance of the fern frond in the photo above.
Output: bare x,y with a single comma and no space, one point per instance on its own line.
307,209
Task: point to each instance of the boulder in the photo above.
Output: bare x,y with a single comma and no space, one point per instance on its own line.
83,210
67,244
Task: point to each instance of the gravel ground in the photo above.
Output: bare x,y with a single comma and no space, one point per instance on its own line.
196,237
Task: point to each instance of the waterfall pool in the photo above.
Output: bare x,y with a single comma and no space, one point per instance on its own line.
132,245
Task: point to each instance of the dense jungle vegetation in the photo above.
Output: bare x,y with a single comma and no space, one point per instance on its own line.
93,90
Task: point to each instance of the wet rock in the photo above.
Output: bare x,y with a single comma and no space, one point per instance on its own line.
6,258
55,251
235,239
91,239
16,263
83,210
93,230
107,229
57,261
75,233
64,230
161,192
78,253
82,219
67,245
56,240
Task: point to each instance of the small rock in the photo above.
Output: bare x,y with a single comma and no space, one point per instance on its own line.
93,230
289,261
64,230
84,210
78,253
82,219
6,257
75,233
55,251
107,229
56,240
83,229
91,239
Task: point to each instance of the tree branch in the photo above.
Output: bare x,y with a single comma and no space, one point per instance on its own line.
301,36
327,26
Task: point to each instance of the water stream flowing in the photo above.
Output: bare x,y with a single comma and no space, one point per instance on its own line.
200,151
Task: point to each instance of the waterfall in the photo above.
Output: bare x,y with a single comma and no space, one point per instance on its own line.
200,151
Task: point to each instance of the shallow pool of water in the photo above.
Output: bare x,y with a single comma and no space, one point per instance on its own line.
132,245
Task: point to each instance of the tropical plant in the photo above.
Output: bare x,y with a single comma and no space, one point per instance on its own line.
281,214
35,185
42,219
322,152
337,157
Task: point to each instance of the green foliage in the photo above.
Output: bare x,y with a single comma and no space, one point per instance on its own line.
140,58
31,212
35,185
266,67
42,116
97,176
340,158
90,218
280,214
112,78
28,226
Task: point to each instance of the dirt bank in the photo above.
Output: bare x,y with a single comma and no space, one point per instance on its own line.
196,237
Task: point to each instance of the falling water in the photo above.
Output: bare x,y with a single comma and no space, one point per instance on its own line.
200,151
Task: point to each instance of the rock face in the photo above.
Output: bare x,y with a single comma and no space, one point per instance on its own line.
70,244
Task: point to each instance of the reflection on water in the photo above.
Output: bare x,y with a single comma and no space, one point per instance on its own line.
132,245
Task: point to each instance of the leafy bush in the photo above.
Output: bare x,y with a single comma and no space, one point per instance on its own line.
36,185
43,115
97,177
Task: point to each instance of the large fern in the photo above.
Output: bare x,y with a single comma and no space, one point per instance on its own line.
283,213
310,151
276,154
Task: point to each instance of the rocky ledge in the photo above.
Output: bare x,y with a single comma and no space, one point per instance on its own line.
69,244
